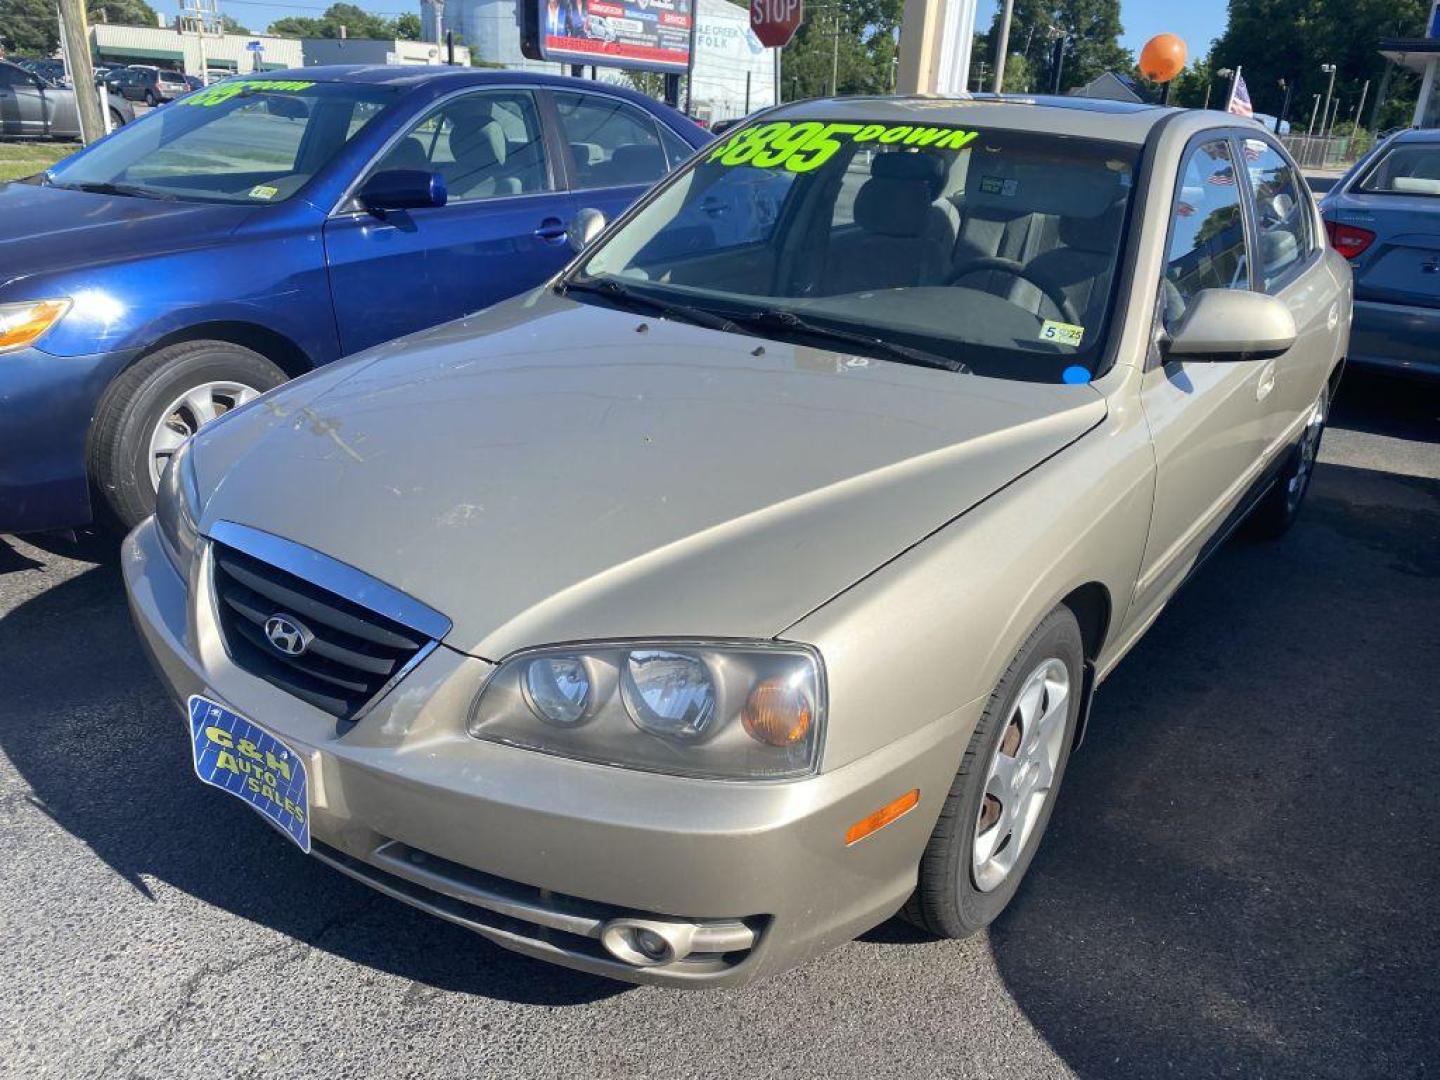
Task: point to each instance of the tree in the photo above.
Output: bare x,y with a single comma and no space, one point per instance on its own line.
1091,48
853,40
358,23
1290,39
28,27
121,12
231,26
407,27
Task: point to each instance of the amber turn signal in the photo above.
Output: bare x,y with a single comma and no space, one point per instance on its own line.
891,811
777,713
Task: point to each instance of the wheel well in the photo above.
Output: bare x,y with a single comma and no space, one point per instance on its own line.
276,348
1090,604
1334,380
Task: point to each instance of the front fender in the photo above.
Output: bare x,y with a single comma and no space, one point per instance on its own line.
935,629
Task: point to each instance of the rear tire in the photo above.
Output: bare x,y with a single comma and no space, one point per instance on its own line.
153,406
970,870
1279,509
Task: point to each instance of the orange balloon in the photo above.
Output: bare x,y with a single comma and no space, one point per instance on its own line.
1162,58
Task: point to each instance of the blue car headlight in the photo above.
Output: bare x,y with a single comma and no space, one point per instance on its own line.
177,509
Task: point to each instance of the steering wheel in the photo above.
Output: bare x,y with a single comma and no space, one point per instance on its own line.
1051,291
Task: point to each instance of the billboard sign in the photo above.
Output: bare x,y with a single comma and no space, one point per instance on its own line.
643,35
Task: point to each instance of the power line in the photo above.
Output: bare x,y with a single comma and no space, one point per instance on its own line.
286,6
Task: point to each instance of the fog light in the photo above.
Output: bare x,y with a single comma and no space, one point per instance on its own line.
645,943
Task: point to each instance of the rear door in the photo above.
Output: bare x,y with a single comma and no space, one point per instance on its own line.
615,149
502,231
1206,419
1289,266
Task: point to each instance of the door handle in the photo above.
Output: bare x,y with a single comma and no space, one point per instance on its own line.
552,230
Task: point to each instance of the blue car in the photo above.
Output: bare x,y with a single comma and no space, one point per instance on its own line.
1384,216
260,227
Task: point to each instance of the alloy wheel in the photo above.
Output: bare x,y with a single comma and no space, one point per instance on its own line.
1022,771
187,414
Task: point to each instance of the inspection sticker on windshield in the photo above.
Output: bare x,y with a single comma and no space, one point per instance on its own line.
1062,333
263,191
244,759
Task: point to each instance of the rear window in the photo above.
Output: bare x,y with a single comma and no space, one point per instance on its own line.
1405,170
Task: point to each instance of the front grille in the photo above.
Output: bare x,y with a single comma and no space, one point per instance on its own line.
355,652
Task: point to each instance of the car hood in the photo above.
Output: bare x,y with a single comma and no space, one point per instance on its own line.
45,229
553,471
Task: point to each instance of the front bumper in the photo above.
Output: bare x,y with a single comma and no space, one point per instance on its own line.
46,405
1396,337
538,853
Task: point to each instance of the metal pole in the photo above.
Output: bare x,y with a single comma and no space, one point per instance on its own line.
1234,82
1314,112
1059,62
835,53
1208,85
82,72
1330,89
1002,45
747,92
450,47
1360,109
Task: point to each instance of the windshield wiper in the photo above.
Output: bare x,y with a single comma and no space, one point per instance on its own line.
783,319
613,290
98,187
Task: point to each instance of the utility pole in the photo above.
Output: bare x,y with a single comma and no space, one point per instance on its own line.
835,51
1002,45
76,37
980,79
1360,109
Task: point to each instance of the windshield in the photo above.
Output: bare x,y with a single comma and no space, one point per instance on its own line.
241,140
1412,169
994,250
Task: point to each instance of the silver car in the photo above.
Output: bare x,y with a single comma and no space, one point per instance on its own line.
33,107
748,583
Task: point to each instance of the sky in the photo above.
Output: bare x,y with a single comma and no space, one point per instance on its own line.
1198,22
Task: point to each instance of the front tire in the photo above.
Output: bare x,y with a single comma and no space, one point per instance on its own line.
154,406
117,119
1002,797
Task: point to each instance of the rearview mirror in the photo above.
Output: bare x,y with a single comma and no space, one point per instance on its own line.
403,189
1233,324
290,108
585,226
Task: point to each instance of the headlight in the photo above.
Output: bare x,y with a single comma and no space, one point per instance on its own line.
177,509
25,322
718,710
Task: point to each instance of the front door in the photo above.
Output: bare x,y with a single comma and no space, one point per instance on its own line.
1206,419
615,150
22,107
502,231
1289,266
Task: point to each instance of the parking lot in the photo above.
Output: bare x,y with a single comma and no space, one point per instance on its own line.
1241,877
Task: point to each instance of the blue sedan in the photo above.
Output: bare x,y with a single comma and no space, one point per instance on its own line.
1384,216
260,227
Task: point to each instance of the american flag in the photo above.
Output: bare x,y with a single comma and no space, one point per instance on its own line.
1222,178
1240,98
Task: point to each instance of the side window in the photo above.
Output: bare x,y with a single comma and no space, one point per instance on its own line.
676,148
1282,211
611,142
10,77
1207,232
486,145
740,207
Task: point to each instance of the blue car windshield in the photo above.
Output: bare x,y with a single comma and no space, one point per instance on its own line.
252,141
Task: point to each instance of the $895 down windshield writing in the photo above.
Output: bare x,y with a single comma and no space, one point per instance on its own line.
808,144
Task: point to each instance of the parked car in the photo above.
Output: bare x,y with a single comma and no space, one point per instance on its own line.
1384,216
51,70
154,86
32,107
265,226
699,610
194,82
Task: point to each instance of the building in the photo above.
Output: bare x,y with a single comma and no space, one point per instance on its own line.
219,54
731,68
368,51
1421,55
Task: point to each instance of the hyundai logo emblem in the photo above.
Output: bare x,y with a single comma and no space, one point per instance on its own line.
287,635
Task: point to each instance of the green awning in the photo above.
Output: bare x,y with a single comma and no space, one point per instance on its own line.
131,52
228,65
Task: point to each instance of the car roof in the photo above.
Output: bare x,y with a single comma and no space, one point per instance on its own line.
1419,135
1118,121
448,77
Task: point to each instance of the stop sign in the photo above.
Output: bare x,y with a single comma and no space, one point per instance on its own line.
775,21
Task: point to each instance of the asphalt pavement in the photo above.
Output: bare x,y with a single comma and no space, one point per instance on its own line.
1242,877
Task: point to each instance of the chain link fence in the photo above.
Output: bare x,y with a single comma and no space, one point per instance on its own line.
1332,152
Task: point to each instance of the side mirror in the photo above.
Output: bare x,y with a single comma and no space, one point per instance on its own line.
1231,324
585,226
403,189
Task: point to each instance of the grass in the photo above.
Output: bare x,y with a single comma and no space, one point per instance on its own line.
19,159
